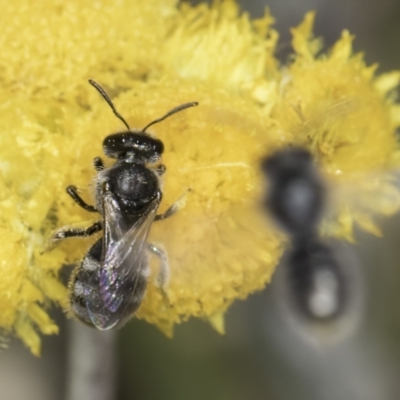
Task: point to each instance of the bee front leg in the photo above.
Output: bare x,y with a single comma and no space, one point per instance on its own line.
160,170
73,192
98,164
163,274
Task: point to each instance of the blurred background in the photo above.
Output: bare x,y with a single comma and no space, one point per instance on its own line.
261,357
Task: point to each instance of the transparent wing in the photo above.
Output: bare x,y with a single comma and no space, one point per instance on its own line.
362,200
123,269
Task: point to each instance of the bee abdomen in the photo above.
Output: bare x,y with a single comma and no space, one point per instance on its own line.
94,303
318,286
84,284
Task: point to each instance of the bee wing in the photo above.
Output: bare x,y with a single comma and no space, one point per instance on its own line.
363,200
125,260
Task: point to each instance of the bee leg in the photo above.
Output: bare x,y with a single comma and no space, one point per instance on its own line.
163,274
77,232
98,164
161,169
178,205
73,192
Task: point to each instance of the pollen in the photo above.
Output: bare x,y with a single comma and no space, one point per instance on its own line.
220,246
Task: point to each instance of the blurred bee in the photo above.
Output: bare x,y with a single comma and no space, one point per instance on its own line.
110,283
318,285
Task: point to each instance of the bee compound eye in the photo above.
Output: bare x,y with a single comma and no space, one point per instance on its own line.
158,147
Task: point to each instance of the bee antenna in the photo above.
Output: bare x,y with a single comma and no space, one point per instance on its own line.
105,96
169,113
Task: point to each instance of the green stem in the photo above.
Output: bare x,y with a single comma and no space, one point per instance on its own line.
91,363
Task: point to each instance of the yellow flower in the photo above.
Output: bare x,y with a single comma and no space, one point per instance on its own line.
151,56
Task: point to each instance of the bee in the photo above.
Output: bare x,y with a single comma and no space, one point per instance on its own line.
110,283
317,284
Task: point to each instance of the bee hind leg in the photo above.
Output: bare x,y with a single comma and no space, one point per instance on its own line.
163,274
178,205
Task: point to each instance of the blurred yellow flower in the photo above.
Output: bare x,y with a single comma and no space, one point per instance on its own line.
151,56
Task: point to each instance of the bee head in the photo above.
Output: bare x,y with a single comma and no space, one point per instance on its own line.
133,144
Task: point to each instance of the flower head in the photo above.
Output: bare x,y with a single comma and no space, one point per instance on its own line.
152,56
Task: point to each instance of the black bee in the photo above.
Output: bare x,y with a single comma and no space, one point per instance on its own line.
110,283
296,198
